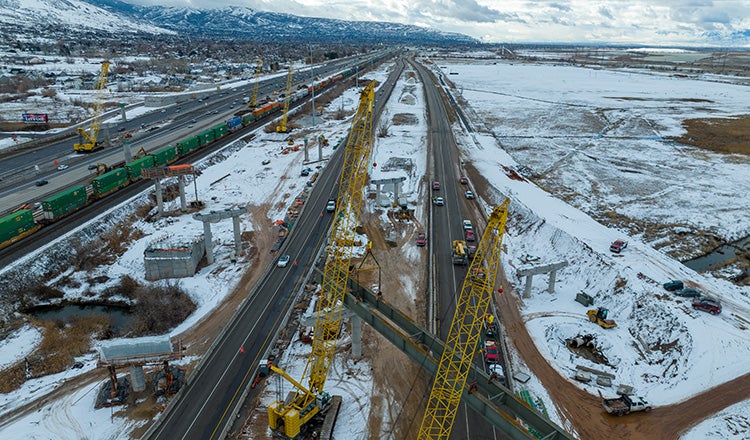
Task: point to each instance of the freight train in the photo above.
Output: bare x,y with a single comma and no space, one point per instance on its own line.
24,222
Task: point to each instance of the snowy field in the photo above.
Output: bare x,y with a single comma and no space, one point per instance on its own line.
536,112
600,138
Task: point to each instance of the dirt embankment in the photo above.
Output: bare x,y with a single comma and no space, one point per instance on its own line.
723,135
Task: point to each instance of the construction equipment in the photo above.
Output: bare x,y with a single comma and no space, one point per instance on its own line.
599,316
471,307
282,128
88,137
288,417
254,99
459,252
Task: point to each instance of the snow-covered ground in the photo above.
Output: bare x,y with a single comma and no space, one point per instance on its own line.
662,346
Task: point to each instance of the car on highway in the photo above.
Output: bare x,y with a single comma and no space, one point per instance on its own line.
421,239
467,224
438,201
469,194
469,235
40,182
491,353
283,261
463,180
673,285
62,167
435,185
689,292
331,206
709,305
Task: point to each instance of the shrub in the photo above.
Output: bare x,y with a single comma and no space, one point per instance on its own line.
158,309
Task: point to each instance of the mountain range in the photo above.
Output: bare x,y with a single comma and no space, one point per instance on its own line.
226,22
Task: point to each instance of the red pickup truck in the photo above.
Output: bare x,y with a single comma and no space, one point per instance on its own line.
617,246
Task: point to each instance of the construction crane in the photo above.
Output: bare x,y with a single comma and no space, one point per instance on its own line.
289,416
282,128
463,336
88,137
254,99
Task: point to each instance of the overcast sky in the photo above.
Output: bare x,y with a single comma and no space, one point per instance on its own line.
650,22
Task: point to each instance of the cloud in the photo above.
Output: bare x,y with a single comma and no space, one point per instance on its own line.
604,11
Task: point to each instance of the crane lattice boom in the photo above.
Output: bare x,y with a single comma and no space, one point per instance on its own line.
89,136
463,336
254,100
282,128
309,401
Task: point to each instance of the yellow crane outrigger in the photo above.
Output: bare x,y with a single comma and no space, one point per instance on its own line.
288,417
88,137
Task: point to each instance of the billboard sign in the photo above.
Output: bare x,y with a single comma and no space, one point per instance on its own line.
34,118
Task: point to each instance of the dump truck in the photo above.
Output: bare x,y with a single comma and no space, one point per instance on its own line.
459,252
619,406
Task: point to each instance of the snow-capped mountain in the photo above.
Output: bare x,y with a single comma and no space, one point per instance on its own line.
34,16
231,21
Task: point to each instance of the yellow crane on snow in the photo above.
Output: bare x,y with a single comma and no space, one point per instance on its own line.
289,416
463,336
88,137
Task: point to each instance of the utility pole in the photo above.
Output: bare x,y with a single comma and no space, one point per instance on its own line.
312,84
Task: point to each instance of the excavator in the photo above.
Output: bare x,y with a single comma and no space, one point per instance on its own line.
599,316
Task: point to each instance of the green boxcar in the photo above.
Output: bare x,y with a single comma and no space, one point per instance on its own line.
16,225
134,168
64,202
164,156
189,144
110,181
248,118
219,131
207,136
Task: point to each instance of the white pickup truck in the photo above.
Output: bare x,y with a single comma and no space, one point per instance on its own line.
619,406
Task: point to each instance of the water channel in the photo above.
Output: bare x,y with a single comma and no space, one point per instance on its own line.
119,316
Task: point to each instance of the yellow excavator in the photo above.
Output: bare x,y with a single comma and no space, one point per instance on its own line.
599,316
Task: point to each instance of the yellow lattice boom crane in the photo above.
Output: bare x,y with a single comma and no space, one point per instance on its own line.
88,136
254,99
463,336
282,128
289,416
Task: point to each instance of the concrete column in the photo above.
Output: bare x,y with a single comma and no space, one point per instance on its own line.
208,240
551,286
126,151
307,155
159,197
237,237
377,194
181,185
395,192
123,114
356,337
320,148
527,288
